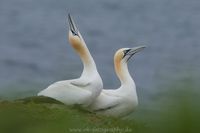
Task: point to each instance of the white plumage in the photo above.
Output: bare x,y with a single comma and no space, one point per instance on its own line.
121,101
84,89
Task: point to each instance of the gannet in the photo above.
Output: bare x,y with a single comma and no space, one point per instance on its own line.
83,90
121,101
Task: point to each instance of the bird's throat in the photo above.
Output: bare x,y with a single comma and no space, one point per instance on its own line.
122,72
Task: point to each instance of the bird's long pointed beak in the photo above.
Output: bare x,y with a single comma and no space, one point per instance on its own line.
136,49
72,26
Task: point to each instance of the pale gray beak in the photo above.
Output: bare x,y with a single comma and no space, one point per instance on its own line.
136,49
130,52
72,26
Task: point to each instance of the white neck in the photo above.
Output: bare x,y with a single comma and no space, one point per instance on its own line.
122,72
124,75
127,83
89,66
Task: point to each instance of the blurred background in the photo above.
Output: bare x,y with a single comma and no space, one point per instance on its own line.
35,52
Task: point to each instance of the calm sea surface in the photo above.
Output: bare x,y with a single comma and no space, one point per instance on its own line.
35,52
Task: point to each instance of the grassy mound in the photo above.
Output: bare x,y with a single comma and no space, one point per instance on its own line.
31,116
174,109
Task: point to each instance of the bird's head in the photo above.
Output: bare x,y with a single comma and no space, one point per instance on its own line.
75,37
124,54
121,58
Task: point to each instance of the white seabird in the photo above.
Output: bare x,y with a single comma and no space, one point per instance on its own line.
83,90
121,101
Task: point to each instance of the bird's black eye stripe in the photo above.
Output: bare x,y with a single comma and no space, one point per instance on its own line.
74,33
125,52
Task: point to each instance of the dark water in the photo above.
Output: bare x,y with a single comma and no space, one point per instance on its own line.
34,50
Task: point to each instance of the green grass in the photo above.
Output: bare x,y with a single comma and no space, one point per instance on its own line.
31,117
174,109
180,105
